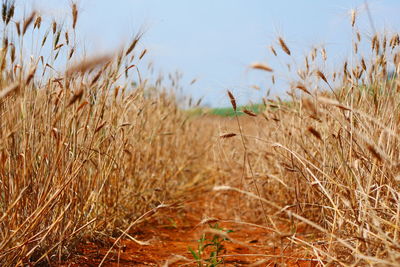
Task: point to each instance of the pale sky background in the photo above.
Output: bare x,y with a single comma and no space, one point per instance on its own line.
214,41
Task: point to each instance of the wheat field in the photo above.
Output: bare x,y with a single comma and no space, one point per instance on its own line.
89,148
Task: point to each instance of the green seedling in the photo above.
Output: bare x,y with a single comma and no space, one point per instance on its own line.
214,246
173,223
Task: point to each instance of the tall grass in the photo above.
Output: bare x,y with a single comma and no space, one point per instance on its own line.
331,158
87,146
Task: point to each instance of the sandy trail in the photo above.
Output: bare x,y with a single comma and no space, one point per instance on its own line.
173,231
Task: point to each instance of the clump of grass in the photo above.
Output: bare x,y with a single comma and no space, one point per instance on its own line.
87,147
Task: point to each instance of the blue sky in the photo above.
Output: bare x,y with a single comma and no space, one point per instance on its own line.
215,41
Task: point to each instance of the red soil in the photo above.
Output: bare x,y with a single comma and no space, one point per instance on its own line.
172,231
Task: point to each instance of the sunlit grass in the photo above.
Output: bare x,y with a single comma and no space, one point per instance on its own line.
89,148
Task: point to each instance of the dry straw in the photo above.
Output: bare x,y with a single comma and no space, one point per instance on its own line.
10,89
261,66
250,113
134,43
81,149
314,132
337,152
143,53
88,64
7,11
28,21
302,87
74,10
233,100
84,153
283,45
273,50
228,135
353,17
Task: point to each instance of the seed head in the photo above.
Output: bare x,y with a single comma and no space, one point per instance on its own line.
228,135
233,100
283,45
74,15
261,66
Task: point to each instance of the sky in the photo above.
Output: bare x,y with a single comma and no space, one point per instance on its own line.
215,41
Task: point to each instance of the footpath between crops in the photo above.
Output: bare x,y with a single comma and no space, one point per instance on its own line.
199,229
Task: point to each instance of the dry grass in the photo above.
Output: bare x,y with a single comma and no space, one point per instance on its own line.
330,157
88,152
85,149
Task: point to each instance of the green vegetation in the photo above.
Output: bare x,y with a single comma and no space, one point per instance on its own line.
211,243
226,111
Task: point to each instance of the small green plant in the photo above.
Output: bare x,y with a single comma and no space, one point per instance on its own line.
173,224
215,247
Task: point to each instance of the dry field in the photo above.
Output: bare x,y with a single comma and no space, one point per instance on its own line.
93,156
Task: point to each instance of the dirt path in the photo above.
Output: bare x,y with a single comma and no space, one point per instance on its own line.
169,236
